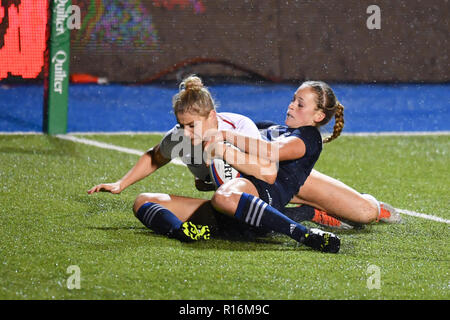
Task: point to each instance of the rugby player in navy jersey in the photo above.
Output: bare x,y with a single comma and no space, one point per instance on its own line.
295,148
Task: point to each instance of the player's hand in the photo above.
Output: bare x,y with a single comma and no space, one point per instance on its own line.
212,136
212,151
213,144
106,187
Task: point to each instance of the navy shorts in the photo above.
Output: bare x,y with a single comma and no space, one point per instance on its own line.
270,193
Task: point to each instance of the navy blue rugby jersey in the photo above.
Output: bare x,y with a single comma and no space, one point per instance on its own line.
292,174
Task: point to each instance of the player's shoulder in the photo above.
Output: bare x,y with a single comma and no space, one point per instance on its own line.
274,132
171,138
176,129
306,131
237,122
234,118
310,136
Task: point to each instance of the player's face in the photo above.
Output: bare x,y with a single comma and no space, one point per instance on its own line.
302,110
195,126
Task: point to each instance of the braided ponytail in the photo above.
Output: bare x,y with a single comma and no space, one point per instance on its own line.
338,123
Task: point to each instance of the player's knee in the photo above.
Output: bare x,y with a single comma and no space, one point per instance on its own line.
222,199
138,202
218,199
143,198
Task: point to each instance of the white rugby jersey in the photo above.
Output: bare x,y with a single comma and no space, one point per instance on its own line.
174,144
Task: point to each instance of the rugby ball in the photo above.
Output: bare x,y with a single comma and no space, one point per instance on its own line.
222,172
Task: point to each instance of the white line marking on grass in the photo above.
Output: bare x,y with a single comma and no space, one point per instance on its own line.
179,162
424,216
117,133
100,144
109,146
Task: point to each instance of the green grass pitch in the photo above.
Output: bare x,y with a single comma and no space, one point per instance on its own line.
48,223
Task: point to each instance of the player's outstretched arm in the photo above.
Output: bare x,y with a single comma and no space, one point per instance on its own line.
289,148
146,165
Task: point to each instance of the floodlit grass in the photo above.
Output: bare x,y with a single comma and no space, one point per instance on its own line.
48,223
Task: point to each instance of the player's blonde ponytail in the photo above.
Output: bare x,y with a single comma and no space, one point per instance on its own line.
192,82
193,97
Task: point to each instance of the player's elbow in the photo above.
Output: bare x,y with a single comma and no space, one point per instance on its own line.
270,179
269,174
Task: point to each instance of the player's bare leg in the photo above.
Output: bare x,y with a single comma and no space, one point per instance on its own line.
168,215
182,207
337,199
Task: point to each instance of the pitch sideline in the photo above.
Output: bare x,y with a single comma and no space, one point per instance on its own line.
109,146
179,162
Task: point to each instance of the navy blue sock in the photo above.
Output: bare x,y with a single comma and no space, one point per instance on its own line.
299,213
258,213
159,219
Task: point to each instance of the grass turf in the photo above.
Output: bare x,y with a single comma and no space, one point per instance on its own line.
48,223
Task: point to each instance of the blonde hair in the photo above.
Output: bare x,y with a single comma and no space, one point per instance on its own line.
328,103
193,97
